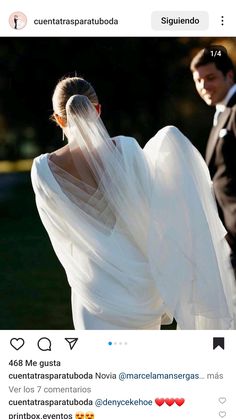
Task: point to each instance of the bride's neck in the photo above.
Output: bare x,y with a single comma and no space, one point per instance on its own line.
63,159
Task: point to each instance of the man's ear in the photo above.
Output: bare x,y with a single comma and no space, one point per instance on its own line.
230,76
98,108
61,121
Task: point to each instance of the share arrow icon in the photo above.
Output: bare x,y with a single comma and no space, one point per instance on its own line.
71,341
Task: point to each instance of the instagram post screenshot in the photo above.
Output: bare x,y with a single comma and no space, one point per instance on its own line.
117,210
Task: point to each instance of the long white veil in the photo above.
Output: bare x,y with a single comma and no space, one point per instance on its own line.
145,219
123,189
189,256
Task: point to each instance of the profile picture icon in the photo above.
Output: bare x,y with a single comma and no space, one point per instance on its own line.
17,20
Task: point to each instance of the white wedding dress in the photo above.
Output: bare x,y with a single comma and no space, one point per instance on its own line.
162,254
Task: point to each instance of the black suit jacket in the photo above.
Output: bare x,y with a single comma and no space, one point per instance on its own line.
221,160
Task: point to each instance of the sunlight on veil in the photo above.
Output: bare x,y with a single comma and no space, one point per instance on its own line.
189,256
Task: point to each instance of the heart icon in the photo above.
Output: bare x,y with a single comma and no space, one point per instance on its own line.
222,400
179,402
17,343
169,401
222,414
159,402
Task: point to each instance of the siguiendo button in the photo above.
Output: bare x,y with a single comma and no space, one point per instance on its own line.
174,21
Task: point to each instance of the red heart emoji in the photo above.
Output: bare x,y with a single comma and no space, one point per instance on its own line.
179,402
169,401
159,402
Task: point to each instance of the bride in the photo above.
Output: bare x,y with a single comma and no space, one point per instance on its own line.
137,231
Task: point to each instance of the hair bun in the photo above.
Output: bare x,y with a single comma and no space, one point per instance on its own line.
76,100
80,105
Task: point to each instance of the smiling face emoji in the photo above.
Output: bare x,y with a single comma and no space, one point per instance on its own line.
89,415
79,415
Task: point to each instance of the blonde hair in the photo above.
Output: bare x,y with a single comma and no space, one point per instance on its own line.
68,87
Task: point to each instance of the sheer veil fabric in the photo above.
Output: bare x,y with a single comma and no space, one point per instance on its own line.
143,241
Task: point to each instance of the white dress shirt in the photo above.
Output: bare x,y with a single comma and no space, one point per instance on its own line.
220,107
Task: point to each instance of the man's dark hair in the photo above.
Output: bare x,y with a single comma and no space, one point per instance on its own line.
213,54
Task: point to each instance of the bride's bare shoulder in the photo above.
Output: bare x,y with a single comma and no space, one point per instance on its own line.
61,156
63,159
60,152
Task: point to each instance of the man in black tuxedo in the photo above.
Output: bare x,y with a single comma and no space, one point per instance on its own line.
213,74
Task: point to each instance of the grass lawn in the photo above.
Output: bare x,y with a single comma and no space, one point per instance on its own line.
34,289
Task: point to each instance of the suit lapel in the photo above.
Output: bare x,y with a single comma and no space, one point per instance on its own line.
214,134
232,101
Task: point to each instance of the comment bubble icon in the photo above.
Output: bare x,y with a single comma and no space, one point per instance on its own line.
44,344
